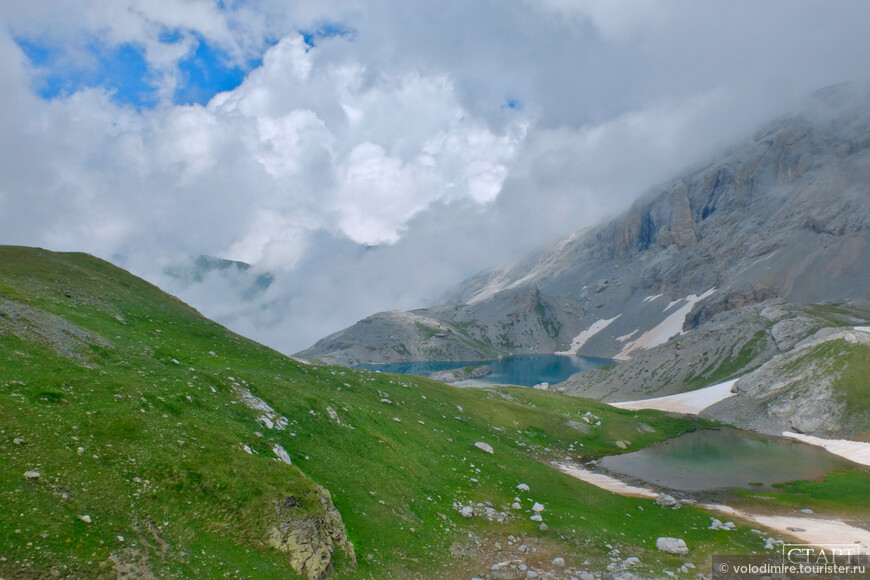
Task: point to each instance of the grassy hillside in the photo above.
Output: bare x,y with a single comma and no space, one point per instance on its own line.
155,435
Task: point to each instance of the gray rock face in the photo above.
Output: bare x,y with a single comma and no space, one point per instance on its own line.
786,216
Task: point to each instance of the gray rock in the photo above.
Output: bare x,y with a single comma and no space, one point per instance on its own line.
559,562
671,545
32,475
667,501
466,511
485,447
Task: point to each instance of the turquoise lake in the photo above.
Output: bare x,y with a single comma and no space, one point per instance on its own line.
523,370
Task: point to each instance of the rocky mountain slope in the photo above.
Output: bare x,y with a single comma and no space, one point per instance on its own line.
141,440
784,217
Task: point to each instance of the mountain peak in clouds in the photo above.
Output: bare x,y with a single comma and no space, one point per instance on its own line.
784,216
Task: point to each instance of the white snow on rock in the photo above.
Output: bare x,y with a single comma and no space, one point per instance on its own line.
282,454
667,328
625,337
484,447
690,403
651,298
581,339
856,451
862,328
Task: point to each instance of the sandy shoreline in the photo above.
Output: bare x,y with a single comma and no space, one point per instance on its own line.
815,531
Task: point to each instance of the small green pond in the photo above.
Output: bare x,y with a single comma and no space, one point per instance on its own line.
725,458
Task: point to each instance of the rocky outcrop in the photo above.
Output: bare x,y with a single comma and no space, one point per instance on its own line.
805,390
309,529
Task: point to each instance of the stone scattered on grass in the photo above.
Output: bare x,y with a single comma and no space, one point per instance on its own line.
32,475
672,545
484,447
718,525
86,518
523,487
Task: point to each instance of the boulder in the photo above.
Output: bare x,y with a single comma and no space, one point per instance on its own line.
672,545
667,501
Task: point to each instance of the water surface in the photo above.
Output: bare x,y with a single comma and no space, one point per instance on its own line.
726,458
524,370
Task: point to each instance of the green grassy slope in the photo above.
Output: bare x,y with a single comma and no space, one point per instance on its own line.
131,406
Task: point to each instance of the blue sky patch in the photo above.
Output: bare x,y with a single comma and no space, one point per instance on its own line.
326,30
123,70
207,72
513,105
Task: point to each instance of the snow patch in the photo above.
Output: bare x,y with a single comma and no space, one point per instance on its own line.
690,403
651,298
672,304
862,328
856,451
581,339
625,337
667,328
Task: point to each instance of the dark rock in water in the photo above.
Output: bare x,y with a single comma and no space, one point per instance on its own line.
462,374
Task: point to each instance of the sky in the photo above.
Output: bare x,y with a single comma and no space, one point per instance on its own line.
369,155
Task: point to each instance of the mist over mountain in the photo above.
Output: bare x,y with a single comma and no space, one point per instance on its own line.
784,216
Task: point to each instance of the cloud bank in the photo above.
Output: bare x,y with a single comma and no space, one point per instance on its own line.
370,155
